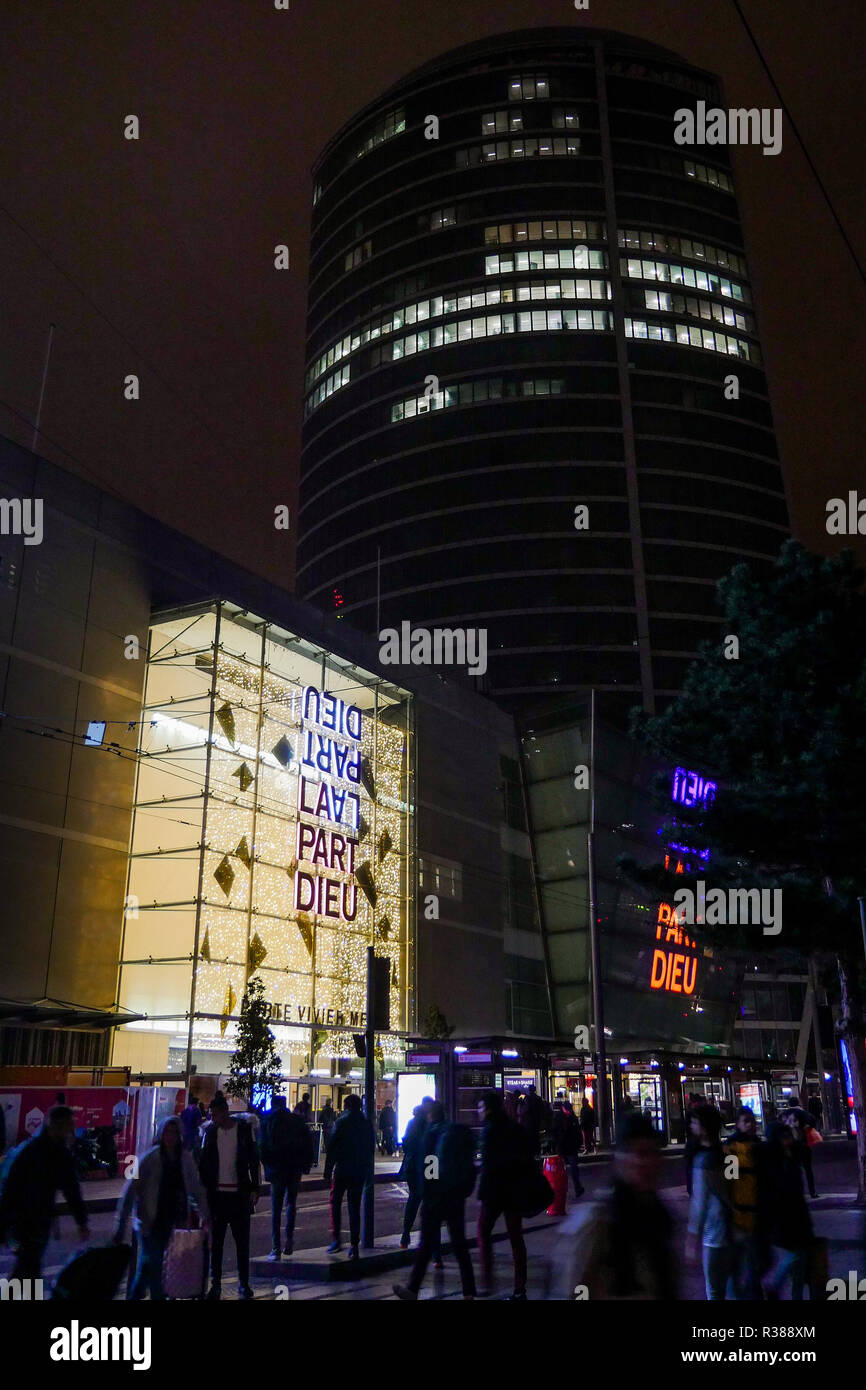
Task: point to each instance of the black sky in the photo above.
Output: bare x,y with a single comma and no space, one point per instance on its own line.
156,257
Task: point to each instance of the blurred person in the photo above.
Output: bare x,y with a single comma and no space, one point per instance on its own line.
191,1120
530,1114
230,1172
160,1197
710,1210
748,1194
509,1105
619,1246
348,1166
304,1108
412,1170
506,1152
692,1141
815,1108
41,1166
801,1150
587,1125
327,1120
447,1183
785,1223
387,1125
566,1135
287,1152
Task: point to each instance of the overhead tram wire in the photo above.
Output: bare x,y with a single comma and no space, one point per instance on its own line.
801,142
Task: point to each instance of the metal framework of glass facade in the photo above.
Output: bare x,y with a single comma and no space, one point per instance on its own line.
273,835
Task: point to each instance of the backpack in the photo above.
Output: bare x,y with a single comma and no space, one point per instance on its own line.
455,1150
289,1143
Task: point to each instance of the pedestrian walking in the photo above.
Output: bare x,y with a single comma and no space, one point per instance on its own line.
799,1122
387,1125
327,1120
710,1210
412,1170
287,1153
348,1166
566,1136
507,1165
786,1223
304,1108
230,1172
160,1196
619,1246
748,1195
41,1167
191,1122
449,1179
588,1126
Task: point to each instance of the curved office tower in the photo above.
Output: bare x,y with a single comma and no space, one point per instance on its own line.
525,300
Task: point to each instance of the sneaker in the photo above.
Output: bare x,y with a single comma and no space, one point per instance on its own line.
290,1249
407,1294
245,1291
334,1247
214,1293
274,1255
353,1252
404,1242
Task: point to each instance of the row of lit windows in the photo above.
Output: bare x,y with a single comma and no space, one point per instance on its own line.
394,123
533,88
681,246
704,173
684,275
687,336
528,148
701,308
331,384
558,229
571,258
501,122
471,392
491,325
448,304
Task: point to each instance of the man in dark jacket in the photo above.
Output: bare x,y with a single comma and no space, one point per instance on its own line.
348,1166
566,1135
449,1177
387,1124
785,1222
506,1163
287,1152
229,1171
41,1166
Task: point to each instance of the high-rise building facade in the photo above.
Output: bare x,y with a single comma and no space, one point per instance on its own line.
527,303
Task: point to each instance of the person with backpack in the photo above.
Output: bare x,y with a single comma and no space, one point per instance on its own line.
287,1152
40,1167
348,1166
507,1168
166,1185
710,1211
566,1135
449,1179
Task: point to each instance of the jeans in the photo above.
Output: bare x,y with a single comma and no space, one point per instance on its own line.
148,1270
487,1217
787,1264
230,1209
717,1267
413,1202
451,1210
745,1277
284,1189
352,1187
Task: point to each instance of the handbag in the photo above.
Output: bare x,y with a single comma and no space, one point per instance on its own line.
184,1264
813,1137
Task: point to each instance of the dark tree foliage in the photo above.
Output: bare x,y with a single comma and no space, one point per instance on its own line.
782,729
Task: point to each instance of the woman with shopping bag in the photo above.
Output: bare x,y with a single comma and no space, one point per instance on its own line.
160,1196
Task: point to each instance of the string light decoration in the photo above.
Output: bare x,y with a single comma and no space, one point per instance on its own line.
223,739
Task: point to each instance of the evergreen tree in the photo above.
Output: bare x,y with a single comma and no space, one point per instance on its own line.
255,1064
782,729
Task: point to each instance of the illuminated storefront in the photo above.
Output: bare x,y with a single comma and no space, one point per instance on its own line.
272,836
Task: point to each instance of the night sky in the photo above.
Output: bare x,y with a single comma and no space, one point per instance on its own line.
156,257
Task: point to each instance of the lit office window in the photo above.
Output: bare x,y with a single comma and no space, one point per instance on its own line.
394,123
493,389
443,217
688,335
500,122
568,258
704,173
317,193
549,229
565,119
362,252
529,88
443,877
528,148
706,280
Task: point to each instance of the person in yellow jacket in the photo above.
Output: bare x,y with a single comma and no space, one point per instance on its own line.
747,1179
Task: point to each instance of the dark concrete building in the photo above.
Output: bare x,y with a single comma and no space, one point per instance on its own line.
526,299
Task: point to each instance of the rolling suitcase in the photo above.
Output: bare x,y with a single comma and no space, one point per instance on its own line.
93,1275
184,1266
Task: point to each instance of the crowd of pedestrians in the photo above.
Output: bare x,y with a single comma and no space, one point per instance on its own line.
749,1226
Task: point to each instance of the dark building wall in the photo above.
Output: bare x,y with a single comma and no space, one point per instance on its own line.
470,498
